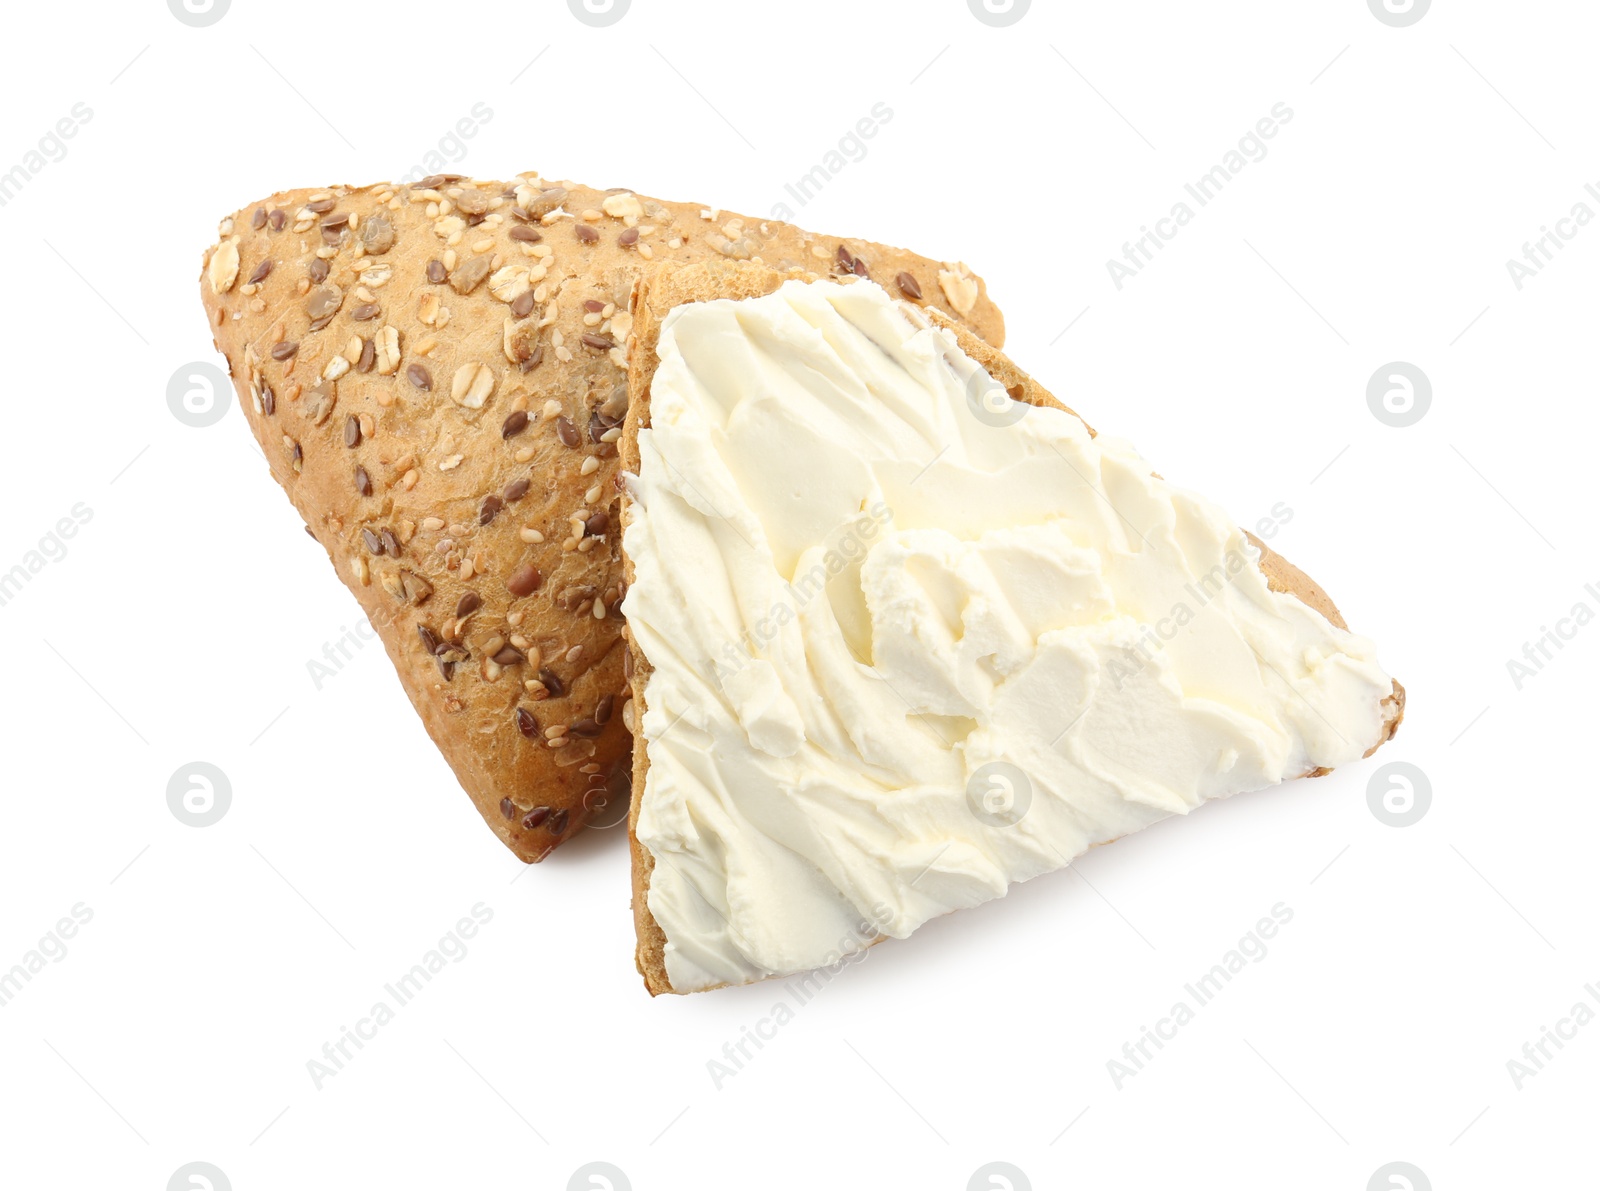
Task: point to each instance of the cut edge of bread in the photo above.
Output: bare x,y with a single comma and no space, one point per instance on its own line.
656,294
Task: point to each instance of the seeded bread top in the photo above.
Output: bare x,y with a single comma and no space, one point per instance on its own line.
437,376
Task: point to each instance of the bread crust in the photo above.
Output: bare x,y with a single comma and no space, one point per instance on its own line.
436,374
657,293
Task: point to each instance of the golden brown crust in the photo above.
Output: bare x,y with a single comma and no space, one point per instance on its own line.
657,293
463,345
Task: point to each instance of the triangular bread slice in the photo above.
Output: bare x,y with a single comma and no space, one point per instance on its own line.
903,630
436,374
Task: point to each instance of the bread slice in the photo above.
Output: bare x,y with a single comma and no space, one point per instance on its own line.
436,374
659,294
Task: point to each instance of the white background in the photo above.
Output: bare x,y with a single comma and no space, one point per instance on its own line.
179,625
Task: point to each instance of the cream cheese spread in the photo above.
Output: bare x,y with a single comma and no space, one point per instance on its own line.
912,643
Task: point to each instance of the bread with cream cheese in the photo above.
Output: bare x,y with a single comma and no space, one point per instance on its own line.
657,296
